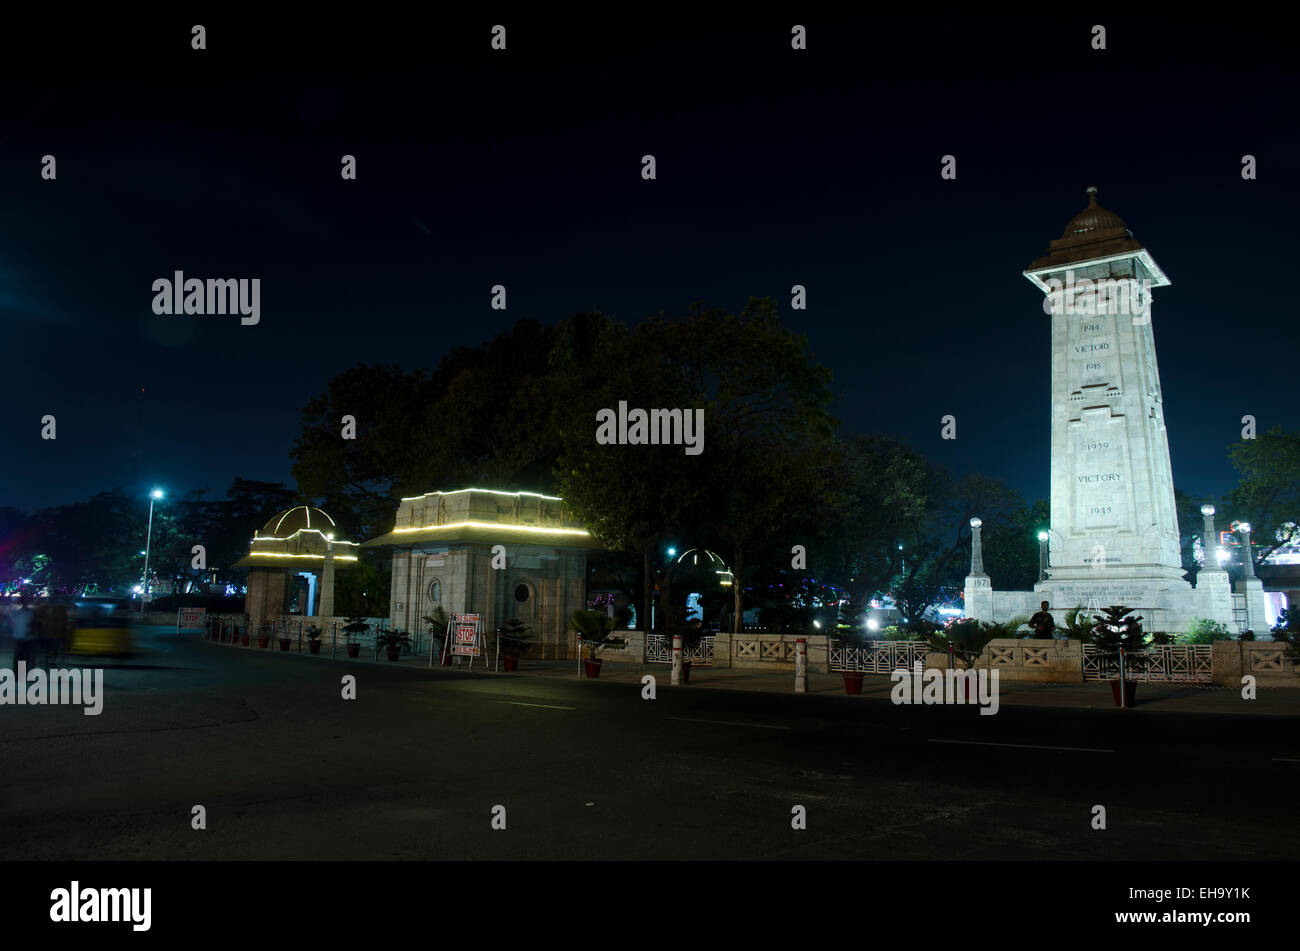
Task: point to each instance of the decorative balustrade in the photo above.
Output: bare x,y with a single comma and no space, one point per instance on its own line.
1168,663
877,657
659,650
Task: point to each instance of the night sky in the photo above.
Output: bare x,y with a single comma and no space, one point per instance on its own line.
522,168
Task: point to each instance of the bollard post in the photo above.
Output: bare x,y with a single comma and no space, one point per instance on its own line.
677,659
800,665
579,655
1123,694
334,638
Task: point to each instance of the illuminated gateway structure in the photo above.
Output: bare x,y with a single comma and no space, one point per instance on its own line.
444,547
1114,528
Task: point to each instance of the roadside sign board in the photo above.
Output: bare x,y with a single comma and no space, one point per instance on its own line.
189,618
465,634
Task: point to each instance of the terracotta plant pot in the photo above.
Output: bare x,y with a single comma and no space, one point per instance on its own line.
393,652
686,671
263,641
354,650
243,639
313,647
853,682
284,643
592,667
1130,692
446,659
510,662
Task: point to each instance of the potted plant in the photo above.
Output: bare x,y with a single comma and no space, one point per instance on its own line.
515,639
596,630
851,636
1113,632
393,642
313,639
264,634
966,639
285,641
243,633
353,629
437,622
691,634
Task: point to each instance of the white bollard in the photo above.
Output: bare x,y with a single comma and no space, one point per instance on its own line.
800,665
677,659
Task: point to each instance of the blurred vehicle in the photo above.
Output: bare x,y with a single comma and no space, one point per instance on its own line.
101,630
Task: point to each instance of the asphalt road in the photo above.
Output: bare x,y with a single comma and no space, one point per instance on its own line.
413,768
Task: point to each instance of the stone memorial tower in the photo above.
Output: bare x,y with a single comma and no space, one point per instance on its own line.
1114,529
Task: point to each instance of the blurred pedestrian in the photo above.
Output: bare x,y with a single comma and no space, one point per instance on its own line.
25,631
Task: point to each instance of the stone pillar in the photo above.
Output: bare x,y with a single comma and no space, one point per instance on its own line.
1208,540
327,583
1247,556
1251,587
978,593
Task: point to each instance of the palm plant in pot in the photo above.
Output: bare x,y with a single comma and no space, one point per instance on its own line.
853,638
437,622
691,633
1116,631
596,628
313,639
965,640
353,629
515,639
393,642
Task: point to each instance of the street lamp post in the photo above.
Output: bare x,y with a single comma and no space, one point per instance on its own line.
1042,556
148,538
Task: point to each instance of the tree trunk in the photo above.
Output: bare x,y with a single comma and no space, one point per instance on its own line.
737,622
647,591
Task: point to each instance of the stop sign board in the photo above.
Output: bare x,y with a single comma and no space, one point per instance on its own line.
464,638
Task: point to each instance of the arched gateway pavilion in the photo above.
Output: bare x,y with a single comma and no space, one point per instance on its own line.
446,554
291,564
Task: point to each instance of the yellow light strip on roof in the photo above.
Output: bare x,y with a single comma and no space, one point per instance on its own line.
280,554
500,526
537,495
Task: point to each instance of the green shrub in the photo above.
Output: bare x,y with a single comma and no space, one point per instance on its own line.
1204,631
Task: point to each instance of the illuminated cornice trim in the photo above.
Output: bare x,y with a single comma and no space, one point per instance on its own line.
281,554
1144,256
498,526
536,495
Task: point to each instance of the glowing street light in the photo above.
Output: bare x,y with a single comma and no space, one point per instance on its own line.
1042,556
154,496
